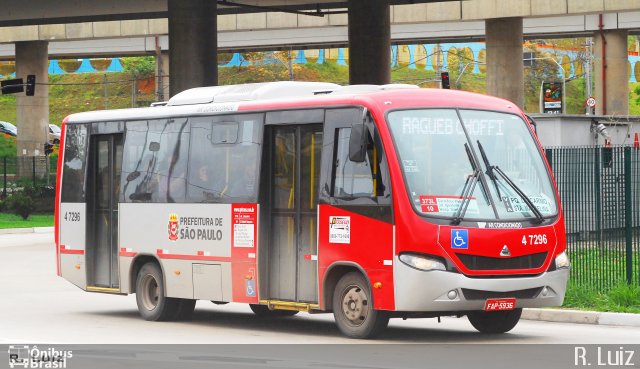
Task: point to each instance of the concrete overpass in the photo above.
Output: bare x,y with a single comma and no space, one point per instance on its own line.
197,28
126,38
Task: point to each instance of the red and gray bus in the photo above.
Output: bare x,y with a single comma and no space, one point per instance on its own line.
371,202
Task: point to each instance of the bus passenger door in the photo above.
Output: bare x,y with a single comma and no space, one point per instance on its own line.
293,170
102,199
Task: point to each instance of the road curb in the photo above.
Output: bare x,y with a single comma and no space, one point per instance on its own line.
582,317
26,230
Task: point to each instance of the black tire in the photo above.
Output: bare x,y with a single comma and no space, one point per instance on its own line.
185,309
150,295
263,311
353,308
494,321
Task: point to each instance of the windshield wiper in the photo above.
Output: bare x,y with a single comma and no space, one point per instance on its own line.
467,189
494,168
490,169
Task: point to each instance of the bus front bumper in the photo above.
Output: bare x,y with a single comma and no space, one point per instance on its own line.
418,290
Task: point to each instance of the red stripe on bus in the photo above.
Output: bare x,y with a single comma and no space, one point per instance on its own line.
71,251
193,257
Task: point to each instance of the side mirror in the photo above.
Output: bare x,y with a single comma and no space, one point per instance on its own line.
358,141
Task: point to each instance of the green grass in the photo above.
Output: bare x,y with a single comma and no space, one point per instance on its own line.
593,269
35,220
622,299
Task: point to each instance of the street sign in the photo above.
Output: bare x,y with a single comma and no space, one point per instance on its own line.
591,102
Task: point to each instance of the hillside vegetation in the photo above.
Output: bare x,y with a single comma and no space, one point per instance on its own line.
72,93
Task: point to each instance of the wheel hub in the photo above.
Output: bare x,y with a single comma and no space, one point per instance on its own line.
355,305
150,293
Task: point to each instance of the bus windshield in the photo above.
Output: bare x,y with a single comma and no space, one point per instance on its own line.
480,165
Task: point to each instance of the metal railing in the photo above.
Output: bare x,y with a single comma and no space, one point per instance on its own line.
599,189
600,193
22,171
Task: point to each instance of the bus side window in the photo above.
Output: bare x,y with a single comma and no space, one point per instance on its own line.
224,158
155,161
357,180
75,158
351,179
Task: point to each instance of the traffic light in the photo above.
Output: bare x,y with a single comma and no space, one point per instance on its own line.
31,85
48,148
444,77
12,86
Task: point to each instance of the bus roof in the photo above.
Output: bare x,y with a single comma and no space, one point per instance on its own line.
294,95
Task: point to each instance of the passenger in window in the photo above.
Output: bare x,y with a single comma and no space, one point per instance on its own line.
242,182
172,186
203,185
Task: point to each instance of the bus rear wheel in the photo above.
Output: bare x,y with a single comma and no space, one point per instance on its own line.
150,295
353,308
263,311
494,321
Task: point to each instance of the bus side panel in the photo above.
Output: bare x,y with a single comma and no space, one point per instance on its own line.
72,228
244,271
207,251
347,237
124,264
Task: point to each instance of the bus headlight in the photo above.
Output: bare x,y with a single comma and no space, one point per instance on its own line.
422,262
562,261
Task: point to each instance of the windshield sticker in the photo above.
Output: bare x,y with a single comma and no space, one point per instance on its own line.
516,204
446,204
459,239
448,126
410,166
499,225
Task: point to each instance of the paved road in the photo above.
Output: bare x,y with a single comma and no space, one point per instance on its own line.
36,306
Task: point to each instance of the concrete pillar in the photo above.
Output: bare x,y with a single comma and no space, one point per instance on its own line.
369,42
505,69
193,44
162,76
612,81
32,111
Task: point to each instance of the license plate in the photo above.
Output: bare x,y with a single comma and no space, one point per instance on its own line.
500,304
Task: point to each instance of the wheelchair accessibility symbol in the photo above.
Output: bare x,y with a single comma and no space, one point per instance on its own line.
459,239
250,288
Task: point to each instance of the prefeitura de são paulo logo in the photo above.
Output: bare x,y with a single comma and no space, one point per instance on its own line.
22,356
173,227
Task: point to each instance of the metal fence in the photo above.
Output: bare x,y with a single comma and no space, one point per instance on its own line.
22,171
599,189
600,193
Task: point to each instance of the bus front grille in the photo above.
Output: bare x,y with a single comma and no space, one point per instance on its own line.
474,262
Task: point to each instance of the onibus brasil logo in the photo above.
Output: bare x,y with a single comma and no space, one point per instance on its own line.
23,356
173,227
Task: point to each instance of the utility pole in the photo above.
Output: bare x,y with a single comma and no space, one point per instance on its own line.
290,65
159,66
587,73
106,98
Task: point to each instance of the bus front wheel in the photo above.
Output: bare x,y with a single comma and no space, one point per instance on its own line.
353,308
494,321
150,295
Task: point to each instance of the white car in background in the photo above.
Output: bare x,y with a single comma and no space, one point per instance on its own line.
54,134
8,129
